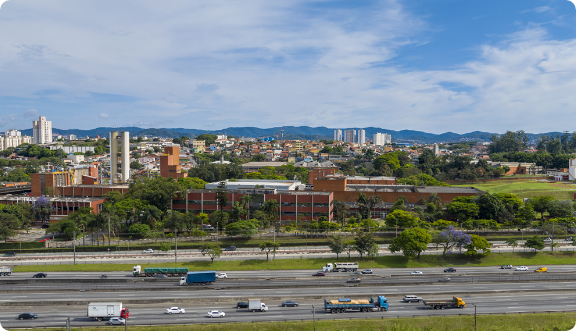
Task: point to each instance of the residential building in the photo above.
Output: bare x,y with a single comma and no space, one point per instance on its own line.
72,137
338,135
42,131
381,139
170,163
13,139
12,133
361,137
349,136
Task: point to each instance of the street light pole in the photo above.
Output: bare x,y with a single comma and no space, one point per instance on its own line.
216,233
74,243
314,317
176,251
474,317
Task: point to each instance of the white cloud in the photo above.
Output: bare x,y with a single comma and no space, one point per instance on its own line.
31,113
104,115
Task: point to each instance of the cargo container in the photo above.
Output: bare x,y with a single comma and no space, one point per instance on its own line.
151,272
5,271
198,277
106,310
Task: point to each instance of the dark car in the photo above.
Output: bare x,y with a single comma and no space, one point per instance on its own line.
10,254
40,275
45,226
319,273
450,270
230,248
289,303
242,304
27,316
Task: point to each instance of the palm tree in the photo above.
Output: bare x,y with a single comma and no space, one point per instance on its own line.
245,204
271,208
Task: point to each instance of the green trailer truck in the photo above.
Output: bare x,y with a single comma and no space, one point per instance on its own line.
151,272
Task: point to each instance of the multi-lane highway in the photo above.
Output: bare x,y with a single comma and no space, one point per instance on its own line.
154,314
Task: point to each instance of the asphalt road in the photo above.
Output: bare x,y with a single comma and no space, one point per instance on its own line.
51,316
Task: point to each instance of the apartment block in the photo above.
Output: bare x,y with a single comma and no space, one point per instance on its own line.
42,131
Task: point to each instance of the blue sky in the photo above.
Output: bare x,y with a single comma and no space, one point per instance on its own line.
430,65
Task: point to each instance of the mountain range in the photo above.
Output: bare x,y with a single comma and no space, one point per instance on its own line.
289,132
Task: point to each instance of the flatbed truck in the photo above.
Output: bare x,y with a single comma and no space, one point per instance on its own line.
443,304
363,305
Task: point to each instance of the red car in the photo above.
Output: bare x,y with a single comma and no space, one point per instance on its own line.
319,273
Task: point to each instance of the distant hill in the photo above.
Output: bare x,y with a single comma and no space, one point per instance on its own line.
290,132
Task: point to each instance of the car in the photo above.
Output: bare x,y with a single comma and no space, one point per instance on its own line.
416,272
411,298
27,316
522,268
45,226
40,275
354,280
222,275
367,272
289,303
175,310
10,254
444,279
160,276
548,240
319,273
242,304
449,270
506,266
230,249
216,313
116,321
541,269
149,250
357,273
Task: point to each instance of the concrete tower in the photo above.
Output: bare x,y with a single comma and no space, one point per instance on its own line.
113,156
125,156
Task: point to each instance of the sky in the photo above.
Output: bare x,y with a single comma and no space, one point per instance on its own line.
430,65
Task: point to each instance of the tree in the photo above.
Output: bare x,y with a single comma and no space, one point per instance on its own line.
476,244
175,221
336,244
366,204
450,238
42,209
8,224
271,208
525,215
139,229
462,211
245,204
82,217
489,206
212,250
135,165
509,142
157,191
364,243
349,246
191,183
219,218
540,204
165,247
339,211
513,243
535,243
268,247
244,229
411,242
402,219
222,199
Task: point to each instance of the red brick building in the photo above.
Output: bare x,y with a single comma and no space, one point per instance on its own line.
170,163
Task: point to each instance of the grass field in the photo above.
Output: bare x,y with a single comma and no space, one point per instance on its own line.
528,188
529,259
552,322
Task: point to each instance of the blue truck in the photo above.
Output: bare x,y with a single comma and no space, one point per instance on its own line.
198,277
364,305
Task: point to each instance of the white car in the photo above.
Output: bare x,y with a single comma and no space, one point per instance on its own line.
521,268
117,321
222,275
216,313
175,310
149,250
416,272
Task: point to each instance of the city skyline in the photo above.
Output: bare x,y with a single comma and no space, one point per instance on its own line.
300,63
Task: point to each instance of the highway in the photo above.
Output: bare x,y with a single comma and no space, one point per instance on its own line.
154,314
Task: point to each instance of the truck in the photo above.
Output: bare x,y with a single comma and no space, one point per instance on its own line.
198,277
151,272
6,271
443,304
340,266
106,310
257,305
364,305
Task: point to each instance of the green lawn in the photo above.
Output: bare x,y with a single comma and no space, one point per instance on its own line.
532,259
528,188
517,322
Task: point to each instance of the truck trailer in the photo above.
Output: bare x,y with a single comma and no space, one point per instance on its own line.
364,305
6,271
198,277
151,272
340,266
443,304
106,310
257,305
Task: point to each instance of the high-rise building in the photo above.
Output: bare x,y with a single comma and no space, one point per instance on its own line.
349,136
337,135
12,133
124,154
13,138
381,139
42,130
361,137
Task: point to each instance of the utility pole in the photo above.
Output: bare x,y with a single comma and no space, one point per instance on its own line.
108,229
474,317
314,316
216,233
74,243
176,251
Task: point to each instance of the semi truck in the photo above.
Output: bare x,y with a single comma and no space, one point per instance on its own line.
340,266
6,271
198,277
257,305
151,272
443,304
106,310
364,305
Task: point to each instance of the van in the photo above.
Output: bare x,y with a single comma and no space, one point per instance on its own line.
541,269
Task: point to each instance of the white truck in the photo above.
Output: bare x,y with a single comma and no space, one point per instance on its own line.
5,271
257,305
340,266
106,310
